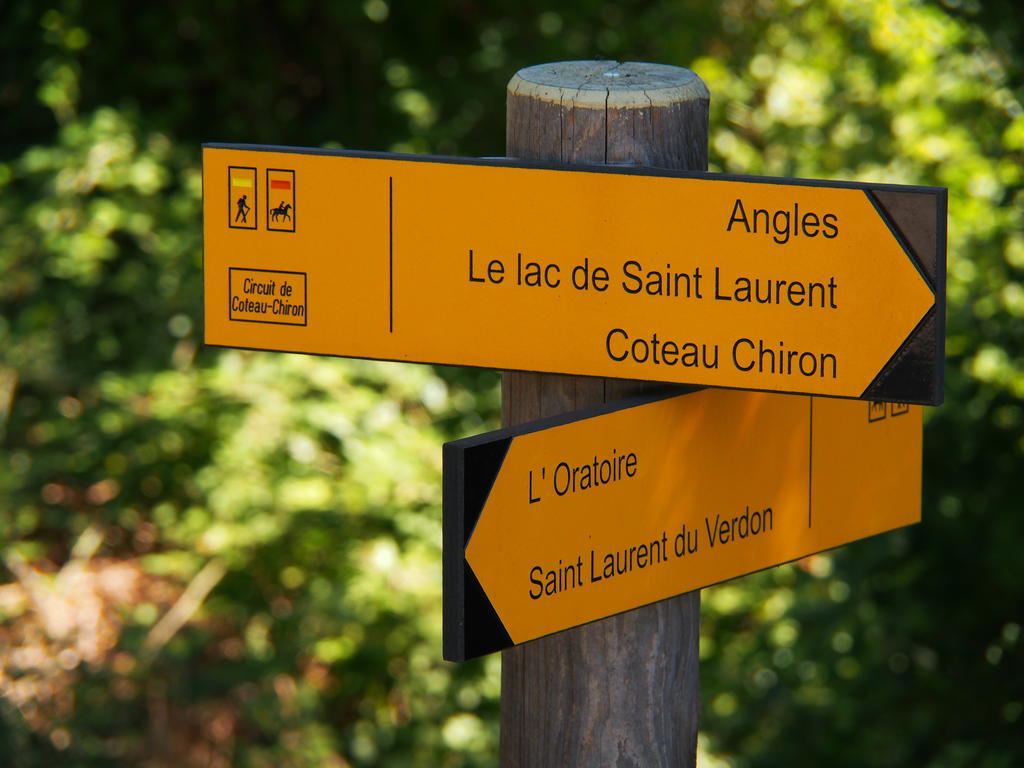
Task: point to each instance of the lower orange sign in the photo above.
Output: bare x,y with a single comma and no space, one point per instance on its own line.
549,527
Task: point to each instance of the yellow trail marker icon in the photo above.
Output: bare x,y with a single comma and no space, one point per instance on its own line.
242,197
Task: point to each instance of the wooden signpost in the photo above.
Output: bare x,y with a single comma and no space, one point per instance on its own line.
557,707
603,249
559,523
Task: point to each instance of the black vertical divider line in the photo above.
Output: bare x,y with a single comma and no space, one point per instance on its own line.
810,458
391,254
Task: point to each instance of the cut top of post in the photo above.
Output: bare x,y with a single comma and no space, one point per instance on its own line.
604,84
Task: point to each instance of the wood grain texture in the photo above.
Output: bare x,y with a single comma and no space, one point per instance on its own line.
623,691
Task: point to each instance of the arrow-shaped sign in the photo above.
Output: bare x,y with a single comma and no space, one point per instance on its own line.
751,283
558,523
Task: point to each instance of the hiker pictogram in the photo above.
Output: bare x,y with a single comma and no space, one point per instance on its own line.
243,210
281,205
242,197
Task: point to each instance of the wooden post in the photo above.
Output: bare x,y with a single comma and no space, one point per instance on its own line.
622,691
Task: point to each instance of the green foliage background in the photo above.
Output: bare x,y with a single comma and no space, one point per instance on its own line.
217,557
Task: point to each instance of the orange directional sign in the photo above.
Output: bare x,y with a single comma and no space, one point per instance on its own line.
549,528
770,284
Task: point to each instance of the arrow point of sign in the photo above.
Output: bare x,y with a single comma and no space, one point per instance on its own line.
914,373
917,221
916,218
487,632
470,469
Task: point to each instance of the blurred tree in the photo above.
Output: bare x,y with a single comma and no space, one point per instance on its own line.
218,557
1003,25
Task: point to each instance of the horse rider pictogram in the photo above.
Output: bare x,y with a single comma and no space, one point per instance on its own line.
281,210
282,206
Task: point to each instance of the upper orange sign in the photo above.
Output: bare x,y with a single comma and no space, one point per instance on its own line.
549,528
809,287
